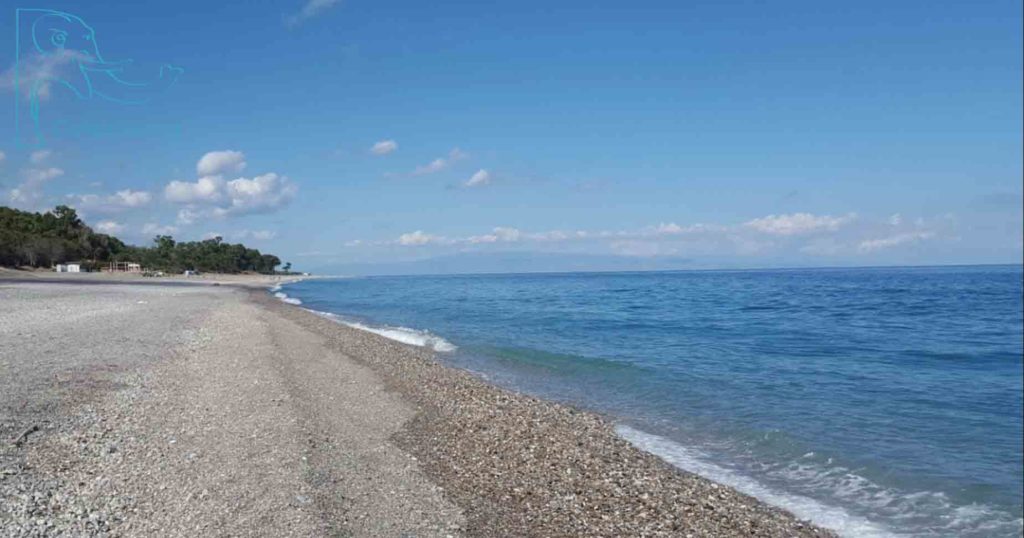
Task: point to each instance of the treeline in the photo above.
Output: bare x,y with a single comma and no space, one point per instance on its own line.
59,236
211,255
43,239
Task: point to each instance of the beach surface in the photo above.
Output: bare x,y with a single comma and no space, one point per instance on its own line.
194,409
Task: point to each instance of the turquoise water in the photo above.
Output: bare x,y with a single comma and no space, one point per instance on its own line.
876,402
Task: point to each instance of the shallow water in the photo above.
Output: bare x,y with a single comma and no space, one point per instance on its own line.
873,401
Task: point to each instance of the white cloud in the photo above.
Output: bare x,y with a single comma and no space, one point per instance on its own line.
2,156
130,198
261,194
553,236
671,228
871,245
29,192
775,234
311,9
153,228
39,156
109,227
480,178
39,71
668,228
259,235
506,235
119,201
384,147
895,220
240,196
208,190
418,238
212,235
217,163
187,216
42,174
798,223
434,166
454,156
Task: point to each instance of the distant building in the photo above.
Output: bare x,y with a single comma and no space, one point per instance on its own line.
68,268
125,267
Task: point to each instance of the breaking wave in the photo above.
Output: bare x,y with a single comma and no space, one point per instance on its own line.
404,335
284,297
970,520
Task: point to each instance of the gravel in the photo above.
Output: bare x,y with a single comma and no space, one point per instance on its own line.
192,411
521,466
131,410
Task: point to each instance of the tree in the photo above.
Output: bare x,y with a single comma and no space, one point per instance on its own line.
287,267
67,219
270,262
42,239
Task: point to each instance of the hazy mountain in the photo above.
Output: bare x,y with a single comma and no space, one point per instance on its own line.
510,262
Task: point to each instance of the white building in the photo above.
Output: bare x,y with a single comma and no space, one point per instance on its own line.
68,268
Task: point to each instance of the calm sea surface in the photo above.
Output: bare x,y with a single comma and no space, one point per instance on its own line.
876,402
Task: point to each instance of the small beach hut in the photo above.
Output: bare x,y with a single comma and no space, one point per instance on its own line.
125,267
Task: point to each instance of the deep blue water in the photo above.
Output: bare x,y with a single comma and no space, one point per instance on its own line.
883,401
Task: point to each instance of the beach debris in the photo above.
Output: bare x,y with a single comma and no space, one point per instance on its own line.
21,438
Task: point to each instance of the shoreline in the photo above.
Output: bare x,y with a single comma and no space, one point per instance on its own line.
12,276
260,418
615,454
680,457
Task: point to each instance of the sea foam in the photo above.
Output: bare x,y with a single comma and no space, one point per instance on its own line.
845,484
404,335
694,461
284,297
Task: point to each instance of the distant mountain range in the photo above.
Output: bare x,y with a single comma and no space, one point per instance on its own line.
511,262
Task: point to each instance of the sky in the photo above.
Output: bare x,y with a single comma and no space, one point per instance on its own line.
697,134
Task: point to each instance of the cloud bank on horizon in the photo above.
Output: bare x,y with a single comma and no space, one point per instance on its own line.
221,194
818,235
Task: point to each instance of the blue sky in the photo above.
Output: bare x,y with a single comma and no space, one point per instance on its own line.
726,133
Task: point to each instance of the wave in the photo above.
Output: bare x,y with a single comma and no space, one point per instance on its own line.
694,461
404,335
849,488
285,298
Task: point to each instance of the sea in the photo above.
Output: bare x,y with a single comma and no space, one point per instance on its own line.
871,401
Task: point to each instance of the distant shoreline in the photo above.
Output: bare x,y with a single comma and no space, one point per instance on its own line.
241,279
681,270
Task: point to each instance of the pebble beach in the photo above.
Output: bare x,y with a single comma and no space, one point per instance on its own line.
132,410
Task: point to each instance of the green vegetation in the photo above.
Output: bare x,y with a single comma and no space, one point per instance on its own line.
58,236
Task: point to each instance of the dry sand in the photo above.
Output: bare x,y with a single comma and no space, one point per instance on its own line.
183,410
